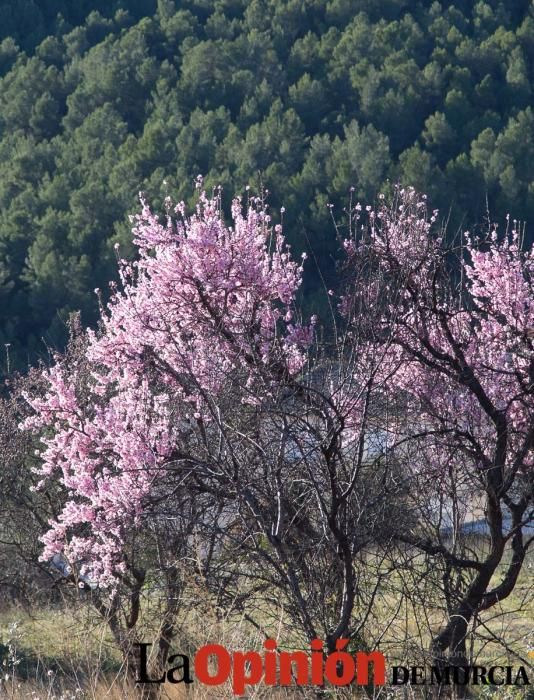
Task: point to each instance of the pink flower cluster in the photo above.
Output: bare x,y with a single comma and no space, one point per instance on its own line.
203,301
459,339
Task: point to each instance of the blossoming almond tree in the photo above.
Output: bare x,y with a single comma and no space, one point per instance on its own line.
461,358
205,302
194,424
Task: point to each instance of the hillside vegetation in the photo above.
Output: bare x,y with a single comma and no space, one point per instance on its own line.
307,98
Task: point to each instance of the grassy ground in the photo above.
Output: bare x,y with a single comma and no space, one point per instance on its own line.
67,653
504,634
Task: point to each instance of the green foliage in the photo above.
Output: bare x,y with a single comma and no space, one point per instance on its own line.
308,99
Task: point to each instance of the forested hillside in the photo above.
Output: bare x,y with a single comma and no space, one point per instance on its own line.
305,97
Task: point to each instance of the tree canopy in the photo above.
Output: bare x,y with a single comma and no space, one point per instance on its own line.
307,99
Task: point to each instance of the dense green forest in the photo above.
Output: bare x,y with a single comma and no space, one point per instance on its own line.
307,98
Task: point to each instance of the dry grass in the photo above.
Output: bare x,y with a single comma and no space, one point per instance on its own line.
503,635
67,653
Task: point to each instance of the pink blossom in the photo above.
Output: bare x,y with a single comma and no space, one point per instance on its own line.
204,299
